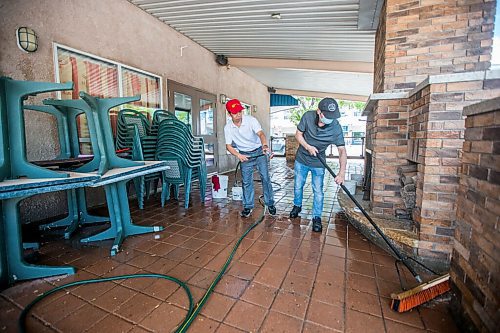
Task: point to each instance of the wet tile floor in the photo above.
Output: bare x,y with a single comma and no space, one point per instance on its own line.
284,277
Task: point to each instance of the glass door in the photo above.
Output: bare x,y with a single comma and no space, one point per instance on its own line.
197,109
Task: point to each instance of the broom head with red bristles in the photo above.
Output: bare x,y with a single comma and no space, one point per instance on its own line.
409,299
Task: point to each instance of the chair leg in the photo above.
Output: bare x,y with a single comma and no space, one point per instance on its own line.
187,187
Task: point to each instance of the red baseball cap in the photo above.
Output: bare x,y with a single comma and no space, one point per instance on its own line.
234,106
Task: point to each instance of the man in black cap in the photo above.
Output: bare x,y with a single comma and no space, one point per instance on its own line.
316,131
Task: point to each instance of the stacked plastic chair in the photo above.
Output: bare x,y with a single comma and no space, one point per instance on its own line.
134,136
185,155
158,116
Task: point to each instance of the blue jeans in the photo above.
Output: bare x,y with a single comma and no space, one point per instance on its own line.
247,169
318,174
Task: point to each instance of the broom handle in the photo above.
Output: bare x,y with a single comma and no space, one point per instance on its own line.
380,232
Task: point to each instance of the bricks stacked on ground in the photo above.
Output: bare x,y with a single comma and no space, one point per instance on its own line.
432,37
291,147
475,265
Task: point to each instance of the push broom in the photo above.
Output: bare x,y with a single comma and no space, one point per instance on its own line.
416,296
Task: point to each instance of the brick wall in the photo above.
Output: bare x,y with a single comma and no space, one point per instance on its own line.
475,265
429,37
379,56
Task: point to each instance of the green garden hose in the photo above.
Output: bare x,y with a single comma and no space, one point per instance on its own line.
193,311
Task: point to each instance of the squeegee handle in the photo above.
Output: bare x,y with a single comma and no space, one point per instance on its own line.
379,231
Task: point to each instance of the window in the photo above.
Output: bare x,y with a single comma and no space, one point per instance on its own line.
104,78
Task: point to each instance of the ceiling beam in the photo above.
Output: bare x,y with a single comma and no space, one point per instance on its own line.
338,66
346,97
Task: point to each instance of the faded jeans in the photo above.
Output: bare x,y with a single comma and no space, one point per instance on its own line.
247,169
318,174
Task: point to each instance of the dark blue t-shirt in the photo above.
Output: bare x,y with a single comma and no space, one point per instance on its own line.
319,137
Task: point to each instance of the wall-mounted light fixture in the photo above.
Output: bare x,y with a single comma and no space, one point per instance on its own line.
223,98
276,16
254,108
27,40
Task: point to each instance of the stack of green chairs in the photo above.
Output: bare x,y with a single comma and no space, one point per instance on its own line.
158,116
185,155
134,134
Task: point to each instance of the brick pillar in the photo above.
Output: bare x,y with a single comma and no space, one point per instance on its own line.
291,147
475,265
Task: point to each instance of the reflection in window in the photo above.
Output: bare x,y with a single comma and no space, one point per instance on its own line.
183,108
206,117
209,154
101,78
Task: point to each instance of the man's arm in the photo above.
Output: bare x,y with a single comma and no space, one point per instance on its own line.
234,152
343,164
263,141
300,138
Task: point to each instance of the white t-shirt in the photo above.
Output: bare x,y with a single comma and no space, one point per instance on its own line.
245,137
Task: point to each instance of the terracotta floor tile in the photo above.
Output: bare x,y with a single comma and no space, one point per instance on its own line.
59,309
361,322
164,318
161,289
180,298
161,249
243,270
203,324
254,258
310,327
395,327
112,323
203,278
113,298
175,239
162,266
326,314
291,304
231,286
437,321
303,269
259,294
137,307
329,292
363,302
334,251
81,319
179,254
284,251
298,284
33,325
246,316
362,283
188,232
194,244
143,260
270,277
359,255
199,259
217,306
223,328
183,272
281,323
138,329
331,274
360,267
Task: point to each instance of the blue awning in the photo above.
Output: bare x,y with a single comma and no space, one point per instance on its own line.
283,100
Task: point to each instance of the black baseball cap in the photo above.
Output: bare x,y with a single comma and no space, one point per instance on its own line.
329,107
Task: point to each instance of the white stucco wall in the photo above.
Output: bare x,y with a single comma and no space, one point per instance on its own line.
119,31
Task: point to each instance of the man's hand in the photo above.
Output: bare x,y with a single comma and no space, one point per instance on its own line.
312,150
340,178
242,158
266,150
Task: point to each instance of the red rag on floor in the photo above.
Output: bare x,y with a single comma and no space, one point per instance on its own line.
216,182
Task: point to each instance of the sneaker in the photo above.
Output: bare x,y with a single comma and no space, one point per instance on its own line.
295,211
317,227
246,212
271,210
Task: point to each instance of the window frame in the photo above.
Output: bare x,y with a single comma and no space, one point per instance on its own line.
119,65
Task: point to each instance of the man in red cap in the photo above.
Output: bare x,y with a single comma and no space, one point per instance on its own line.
246,140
